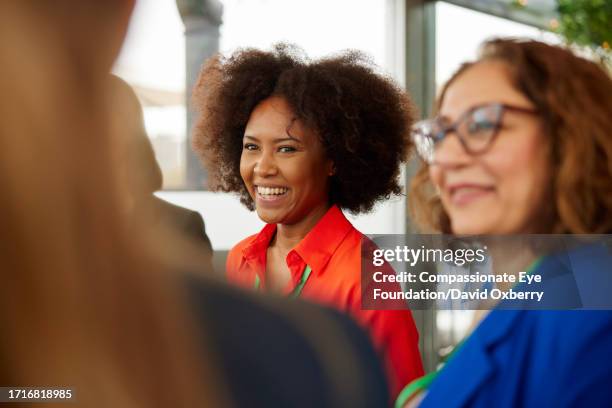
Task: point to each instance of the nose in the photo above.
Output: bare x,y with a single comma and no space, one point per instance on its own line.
265,166
449,152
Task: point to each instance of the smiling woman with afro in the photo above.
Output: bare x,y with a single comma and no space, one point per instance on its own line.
299,140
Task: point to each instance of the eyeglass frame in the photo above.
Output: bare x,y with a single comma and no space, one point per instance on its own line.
454,127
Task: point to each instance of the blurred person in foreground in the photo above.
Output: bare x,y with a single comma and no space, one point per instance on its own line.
300,141
521,144
142,176
88,303
84,303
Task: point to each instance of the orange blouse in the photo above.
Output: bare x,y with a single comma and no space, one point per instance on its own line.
332,249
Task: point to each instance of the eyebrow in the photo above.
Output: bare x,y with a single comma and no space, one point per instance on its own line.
277,140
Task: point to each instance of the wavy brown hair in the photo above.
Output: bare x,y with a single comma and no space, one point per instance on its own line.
574,96
361,116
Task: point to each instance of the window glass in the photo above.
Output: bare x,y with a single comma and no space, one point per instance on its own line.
153,57
460,31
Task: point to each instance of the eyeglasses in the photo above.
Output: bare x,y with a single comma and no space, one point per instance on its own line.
476,129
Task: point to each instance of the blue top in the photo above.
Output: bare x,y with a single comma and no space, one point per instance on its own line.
537,358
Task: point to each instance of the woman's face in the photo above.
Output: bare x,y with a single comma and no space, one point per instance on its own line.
284,165
499,191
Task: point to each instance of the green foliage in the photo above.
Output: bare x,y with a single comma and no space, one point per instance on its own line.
518,4
586,22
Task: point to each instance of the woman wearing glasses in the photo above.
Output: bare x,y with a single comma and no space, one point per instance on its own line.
521,145
299,141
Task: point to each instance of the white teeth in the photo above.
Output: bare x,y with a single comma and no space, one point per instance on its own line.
271,190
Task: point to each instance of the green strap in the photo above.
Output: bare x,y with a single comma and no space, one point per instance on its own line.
414,387
422,383
297,291
534,265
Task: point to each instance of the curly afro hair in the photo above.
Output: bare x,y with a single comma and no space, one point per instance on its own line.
361,116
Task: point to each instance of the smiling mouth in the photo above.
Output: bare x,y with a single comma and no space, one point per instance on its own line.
270,193
466,194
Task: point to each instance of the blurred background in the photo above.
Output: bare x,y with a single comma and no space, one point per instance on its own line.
419,43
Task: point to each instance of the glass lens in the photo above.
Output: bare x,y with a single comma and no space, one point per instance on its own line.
422,136
479,127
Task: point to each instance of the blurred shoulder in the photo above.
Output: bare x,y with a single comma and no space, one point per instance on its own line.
277,336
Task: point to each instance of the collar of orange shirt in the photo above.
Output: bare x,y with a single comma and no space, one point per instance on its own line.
314,250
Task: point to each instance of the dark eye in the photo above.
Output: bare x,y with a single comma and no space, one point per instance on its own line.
250,146
286,149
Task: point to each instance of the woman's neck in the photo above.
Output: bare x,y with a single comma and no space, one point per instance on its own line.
289,235
511,257
508,256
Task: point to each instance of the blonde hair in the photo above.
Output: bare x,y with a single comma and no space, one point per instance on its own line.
84,302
